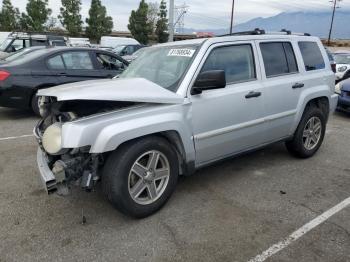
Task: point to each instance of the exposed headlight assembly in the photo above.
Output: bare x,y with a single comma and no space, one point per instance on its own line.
342,69
52,139
338,88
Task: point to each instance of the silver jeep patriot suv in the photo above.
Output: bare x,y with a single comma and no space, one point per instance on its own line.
179,107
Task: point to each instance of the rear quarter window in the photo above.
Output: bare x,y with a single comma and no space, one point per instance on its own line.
312,56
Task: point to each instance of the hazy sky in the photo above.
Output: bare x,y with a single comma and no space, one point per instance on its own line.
205,14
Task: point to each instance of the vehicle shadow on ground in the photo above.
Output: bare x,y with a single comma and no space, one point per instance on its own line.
342,114
236,166
16,114
227,171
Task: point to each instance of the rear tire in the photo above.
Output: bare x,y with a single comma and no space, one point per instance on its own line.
139,194
310,133
35,104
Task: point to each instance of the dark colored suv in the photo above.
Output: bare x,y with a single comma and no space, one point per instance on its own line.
17,41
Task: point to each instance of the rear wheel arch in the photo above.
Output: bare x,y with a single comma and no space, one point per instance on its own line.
319,102
37,88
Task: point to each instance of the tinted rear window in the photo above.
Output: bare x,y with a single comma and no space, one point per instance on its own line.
279,58
312,56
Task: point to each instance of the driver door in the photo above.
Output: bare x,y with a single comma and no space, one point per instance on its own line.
229,120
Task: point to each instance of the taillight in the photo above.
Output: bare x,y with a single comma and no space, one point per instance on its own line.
4,75
334,68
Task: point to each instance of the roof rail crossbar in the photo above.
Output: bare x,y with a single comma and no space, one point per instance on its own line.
258,31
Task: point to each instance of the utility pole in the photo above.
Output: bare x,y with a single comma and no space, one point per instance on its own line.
171,21
335,2
232,13
180,12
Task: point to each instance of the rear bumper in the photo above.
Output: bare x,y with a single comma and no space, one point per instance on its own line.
48,179
333,102
16,97
344,101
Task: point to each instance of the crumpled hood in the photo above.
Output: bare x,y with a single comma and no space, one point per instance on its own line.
123,89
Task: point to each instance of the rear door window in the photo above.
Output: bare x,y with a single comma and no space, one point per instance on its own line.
56,63
279,58
77,60
237,61
312,56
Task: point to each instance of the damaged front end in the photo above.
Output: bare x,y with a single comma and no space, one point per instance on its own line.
61,167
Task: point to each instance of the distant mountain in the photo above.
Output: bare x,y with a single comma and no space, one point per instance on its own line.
315,23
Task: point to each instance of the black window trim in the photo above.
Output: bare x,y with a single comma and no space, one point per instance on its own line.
229,45
280,42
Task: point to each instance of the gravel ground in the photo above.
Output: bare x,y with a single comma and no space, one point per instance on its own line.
231,211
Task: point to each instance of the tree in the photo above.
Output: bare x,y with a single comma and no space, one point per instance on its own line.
70,16
99,23
37,15
162,24
51,23
152,15
9,16
139,25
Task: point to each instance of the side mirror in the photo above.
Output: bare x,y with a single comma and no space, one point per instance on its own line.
208,80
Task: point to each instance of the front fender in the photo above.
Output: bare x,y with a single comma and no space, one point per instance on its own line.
106,133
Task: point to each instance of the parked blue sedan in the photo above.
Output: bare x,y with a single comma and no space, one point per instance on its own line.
343,89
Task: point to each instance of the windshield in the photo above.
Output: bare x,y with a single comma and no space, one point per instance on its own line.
164,66
26,56
5,44
342,59
14,56
139,52
118,49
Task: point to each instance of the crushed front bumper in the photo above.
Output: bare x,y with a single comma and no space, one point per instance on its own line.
48,179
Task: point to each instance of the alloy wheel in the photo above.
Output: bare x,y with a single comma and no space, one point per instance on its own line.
312,133
149,177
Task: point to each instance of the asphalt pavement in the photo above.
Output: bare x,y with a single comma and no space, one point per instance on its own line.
232,211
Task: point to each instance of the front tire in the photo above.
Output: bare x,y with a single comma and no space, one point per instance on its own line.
309,135
140,176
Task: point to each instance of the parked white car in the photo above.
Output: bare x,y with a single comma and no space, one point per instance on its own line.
79,42
112,42
182,106
342,60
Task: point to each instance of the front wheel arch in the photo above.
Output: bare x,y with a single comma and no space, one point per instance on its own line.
174,139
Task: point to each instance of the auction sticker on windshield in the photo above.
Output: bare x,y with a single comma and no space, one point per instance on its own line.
182,52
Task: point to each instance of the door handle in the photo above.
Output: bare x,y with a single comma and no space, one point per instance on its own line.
253,94
62,74
298,85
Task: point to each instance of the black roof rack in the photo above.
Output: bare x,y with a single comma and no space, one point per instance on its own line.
258,31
